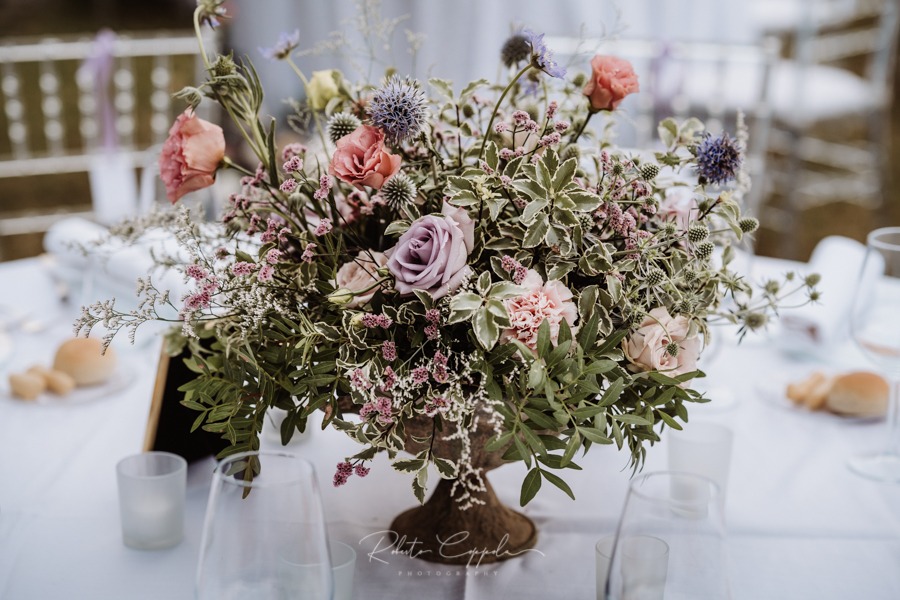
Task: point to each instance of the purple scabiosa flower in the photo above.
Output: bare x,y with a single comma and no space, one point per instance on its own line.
398,109
210,12
286,44
542,56
718,159
389,351
360,470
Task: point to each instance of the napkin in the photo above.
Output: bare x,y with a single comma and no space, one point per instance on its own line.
840,261
86,258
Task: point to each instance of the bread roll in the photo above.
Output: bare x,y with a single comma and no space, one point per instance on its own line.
26,385
81,359
59,383
859,394
811,391
39,371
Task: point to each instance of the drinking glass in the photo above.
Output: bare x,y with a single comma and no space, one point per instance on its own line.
875,325
670,541
264,535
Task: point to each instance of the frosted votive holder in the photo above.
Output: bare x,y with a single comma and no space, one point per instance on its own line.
151,499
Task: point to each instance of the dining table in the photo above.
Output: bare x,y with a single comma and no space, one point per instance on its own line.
799,524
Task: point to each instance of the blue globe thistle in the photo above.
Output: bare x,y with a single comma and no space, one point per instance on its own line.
542,56
398,109
718,159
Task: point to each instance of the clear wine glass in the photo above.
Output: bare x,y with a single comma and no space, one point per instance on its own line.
670,542
875,325
265,537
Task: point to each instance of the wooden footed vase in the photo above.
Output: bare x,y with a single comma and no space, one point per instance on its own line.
441,531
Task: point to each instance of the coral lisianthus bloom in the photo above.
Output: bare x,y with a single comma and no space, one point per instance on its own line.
612,79
191,155
361,158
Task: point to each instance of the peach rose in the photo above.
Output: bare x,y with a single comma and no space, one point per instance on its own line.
361,159
646,348
551,301
611,80
191,155
359,275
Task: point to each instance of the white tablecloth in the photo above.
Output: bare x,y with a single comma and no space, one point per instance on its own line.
800,525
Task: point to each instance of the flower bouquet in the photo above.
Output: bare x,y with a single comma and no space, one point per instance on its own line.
458,277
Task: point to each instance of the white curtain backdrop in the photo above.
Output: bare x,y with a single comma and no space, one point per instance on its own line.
462,38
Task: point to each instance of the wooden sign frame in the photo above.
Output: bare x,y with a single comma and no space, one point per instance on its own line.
169,422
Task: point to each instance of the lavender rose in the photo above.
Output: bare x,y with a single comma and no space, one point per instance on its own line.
431,256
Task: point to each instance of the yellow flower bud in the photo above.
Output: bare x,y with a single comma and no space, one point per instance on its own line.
322,88
340,296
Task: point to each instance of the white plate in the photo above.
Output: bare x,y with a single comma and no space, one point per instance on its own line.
773,391
121,379
6,347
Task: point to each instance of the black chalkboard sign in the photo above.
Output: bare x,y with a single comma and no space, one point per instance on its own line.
169,423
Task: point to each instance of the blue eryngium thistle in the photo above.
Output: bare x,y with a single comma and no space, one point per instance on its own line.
718,159
398,109
542,56
286,44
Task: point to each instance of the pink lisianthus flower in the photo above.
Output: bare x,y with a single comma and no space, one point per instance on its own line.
361,158
550,301
190,155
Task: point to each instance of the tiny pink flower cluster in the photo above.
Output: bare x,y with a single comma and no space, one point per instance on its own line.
381,407
345,470
372,320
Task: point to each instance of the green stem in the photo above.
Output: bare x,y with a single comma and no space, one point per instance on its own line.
487,131
583,126
200,38
315,113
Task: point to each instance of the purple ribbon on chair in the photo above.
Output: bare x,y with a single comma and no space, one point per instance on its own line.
100,66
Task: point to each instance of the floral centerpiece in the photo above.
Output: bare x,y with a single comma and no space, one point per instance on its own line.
458,277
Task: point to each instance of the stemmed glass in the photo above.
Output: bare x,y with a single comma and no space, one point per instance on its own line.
875,325
670,542
264,537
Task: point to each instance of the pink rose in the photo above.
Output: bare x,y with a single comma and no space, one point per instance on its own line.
359,275
611,80
191,155
680,205
551,301
646,348
431,255
361,159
